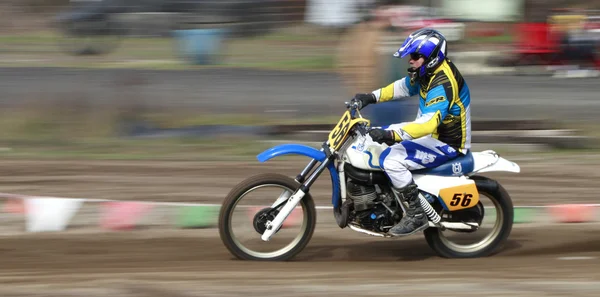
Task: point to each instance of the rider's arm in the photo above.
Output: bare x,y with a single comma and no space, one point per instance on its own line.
398,89
436,109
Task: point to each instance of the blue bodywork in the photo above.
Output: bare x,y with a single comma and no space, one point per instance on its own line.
300,149
455,167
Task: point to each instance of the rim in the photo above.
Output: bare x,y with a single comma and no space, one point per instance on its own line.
281,251
487,240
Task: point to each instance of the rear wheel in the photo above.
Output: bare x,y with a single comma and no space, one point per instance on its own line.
499,214
255,210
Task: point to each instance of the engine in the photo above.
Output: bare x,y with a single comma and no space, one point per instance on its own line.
362,196
369,210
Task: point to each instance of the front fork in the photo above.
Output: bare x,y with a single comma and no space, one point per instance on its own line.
299,178
273,226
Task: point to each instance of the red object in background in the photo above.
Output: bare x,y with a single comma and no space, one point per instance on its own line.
536,43
123,215
573,213
535,38
14,205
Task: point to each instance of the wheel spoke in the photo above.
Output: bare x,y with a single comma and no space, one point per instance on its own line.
247,210
472,242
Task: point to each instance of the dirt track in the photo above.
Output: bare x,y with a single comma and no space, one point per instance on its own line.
543,180
341,263
171,262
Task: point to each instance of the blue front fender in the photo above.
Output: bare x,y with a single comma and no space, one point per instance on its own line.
300,149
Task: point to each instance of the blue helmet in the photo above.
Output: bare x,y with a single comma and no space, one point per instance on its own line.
429,43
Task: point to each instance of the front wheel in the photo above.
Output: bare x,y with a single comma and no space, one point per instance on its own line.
248,206
499,214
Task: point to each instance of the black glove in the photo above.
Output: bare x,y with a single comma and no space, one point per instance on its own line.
363,100
382,136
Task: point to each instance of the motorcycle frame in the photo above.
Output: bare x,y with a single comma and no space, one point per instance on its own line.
326,156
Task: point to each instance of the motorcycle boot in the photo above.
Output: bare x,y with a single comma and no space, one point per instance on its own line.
415,219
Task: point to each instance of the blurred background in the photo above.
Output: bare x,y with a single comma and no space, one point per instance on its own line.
84,72
171,101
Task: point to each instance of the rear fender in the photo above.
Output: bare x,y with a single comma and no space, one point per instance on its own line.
488,161
304,150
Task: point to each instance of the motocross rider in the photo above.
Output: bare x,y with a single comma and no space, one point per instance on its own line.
441,130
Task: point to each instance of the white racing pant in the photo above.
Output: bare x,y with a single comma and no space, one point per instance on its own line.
424,152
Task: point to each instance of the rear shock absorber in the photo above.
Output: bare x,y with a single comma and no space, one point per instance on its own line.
433,216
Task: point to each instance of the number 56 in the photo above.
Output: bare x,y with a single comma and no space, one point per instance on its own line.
458,197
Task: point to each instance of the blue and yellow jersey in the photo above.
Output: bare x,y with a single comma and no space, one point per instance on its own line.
444,106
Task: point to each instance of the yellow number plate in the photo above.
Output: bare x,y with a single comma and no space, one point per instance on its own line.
460,197
339,131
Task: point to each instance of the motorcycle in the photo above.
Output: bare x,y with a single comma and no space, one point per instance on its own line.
363,200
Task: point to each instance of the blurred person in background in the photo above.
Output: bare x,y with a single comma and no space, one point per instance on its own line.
441,130
578,45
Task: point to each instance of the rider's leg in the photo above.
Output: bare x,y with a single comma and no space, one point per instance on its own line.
397,161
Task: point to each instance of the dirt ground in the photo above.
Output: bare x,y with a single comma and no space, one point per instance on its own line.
544,179
536,261
539,259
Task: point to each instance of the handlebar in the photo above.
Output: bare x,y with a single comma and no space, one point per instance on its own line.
353,108
362,129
